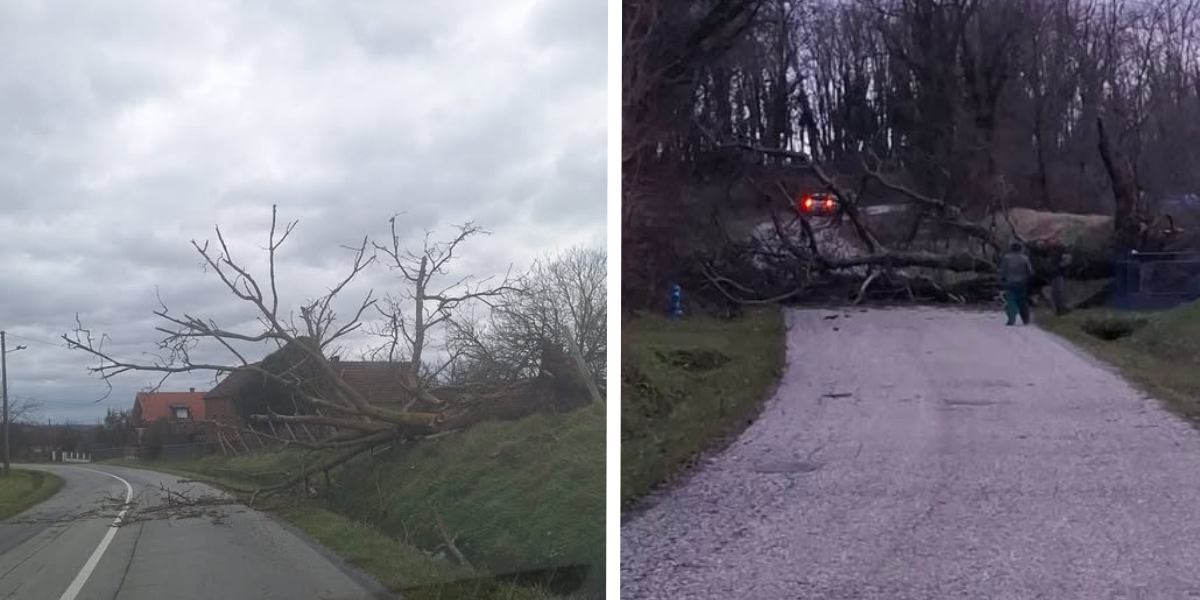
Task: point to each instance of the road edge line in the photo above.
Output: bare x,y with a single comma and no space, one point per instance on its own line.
84,573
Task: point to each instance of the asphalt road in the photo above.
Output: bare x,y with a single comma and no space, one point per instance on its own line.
206,547
926,454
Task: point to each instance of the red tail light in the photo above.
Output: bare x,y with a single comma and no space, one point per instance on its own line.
808,204
829,205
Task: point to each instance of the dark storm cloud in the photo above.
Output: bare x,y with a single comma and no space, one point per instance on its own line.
129,128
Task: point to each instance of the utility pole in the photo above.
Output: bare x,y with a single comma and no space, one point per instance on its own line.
4,385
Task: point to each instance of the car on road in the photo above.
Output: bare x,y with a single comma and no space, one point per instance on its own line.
818,204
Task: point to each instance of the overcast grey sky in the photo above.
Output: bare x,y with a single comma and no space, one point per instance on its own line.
129,128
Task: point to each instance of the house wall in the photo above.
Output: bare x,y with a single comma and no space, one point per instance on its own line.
221,410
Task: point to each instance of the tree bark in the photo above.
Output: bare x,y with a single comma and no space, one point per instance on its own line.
1126,220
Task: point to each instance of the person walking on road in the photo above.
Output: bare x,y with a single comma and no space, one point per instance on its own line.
1015,273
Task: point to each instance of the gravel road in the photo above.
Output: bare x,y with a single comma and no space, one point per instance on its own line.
931,454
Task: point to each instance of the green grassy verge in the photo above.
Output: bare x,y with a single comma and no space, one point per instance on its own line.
524,501
23,489
687,383
1160,351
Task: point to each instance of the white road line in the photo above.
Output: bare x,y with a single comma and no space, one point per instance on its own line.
90,565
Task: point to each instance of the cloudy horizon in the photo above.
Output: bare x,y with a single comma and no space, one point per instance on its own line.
131,129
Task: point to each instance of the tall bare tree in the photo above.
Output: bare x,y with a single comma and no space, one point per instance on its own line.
563,294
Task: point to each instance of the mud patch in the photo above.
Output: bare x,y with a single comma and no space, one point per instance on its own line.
1111,330
694,360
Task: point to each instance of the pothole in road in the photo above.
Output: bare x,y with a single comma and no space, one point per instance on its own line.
787,467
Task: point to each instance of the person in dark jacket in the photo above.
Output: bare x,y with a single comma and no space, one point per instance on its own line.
1058,271
1015,273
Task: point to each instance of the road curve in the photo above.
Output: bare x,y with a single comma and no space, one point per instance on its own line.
928,454
213,548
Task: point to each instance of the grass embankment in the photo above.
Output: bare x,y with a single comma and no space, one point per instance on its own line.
23,489
523,500
1158,351
685,384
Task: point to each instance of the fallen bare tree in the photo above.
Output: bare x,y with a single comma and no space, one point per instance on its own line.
321,397
876,259
963,270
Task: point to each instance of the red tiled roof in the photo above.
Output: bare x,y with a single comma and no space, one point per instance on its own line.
157,405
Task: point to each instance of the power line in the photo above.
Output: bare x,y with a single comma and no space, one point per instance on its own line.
59,402
64,346
36,341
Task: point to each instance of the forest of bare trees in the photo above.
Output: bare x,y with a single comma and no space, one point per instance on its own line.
961,108
562,295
